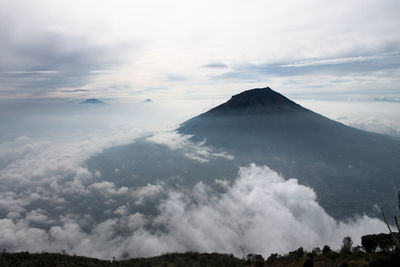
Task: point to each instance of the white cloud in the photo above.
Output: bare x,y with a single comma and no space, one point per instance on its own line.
109,188
338,61
375,116
171,139
192,150
260,211
37,216
372,124
148,192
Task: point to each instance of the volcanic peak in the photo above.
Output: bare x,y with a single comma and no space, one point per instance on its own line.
255,101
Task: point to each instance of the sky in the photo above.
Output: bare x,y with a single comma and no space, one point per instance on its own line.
198,49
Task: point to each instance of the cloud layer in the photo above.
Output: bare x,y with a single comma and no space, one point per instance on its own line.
50,200
260,212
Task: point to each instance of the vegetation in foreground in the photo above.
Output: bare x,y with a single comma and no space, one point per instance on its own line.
376,250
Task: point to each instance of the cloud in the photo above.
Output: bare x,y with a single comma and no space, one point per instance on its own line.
176,78
372,124
387,99
195,151
331,66
32,72
75,90
148,192
132,43
260,211
109,188
43,61
37,216
215,65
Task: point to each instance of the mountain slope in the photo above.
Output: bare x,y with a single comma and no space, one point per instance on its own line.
350,169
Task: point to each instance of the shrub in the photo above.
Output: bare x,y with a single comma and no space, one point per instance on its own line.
369,242
272,258
326,249
316,251
298,253
346,245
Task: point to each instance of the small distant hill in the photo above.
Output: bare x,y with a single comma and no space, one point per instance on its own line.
148,100
93,101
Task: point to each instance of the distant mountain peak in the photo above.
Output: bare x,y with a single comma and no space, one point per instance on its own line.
255,101
93,101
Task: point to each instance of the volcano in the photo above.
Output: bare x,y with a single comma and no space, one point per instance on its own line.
351,170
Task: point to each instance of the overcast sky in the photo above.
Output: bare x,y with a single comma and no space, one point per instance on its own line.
197,49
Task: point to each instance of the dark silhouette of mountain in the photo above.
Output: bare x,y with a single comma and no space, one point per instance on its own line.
351,170
148,100
253,102
93,101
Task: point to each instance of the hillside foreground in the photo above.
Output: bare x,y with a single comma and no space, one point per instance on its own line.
294,258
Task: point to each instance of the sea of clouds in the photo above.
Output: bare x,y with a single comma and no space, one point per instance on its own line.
51,201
